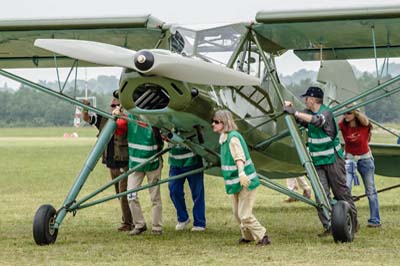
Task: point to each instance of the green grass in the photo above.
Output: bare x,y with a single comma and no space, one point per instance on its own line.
86,131
35,172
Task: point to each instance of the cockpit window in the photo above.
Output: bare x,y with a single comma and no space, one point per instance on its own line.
213,44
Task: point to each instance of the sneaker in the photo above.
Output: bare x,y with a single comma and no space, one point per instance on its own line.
371,225
156,232
264,241
243,241
198,229
182,225
137,231
325,233
125,227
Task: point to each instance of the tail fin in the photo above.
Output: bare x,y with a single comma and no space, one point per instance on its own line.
339,79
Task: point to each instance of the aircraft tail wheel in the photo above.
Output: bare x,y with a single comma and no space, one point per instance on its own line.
342,222
43,231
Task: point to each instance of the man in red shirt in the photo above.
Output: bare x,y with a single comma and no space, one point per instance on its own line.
356,131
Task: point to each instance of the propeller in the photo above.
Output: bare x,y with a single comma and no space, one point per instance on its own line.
152,62
93,52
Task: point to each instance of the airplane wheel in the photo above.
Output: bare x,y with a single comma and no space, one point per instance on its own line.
43,231
342,222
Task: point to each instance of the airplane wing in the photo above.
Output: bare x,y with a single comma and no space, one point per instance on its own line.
387,159
17,37
350,33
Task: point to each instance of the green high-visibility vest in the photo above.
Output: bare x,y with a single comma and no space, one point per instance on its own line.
229,168
322,148
182,157
142,145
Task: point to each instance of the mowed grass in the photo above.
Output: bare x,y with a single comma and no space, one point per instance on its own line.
36,171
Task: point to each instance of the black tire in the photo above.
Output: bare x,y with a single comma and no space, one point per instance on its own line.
342,222
43,233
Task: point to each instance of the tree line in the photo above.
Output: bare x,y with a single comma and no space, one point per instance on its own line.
27,107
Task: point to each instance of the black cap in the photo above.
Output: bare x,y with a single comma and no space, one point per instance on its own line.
315,92
116,94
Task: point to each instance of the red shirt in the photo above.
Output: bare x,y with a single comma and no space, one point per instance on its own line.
355,138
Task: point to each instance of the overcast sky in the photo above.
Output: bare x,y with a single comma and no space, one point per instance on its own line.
171,11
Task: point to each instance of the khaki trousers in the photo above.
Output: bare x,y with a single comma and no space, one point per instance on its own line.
242,205
134,181
295,182
121,186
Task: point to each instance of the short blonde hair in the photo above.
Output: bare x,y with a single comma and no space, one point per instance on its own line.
225,116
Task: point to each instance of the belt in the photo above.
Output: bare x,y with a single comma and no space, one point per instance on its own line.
358,157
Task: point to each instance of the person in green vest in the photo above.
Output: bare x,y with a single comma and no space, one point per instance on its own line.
144,141
182,160
240,176
115,155
325,150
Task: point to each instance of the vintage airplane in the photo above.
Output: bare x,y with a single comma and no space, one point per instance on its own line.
176,77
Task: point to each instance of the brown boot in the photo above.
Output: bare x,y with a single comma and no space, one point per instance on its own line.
125,227
307,193
290,200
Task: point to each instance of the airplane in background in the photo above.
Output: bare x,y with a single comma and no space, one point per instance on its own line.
177,77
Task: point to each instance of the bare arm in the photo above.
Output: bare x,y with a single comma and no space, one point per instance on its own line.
303,116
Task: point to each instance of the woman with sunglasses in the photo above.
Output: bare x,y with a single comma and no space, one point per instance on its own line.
356,131
240,177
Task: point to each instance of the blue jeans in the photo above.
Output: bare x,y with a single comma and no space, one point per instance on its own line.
366,168
177,194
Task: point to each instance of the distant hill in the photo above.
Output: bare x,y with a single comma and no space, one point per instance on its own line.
102,84
298,76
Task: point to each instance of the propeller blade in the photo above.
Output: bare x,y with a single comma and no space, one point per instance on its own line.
174,66
93,52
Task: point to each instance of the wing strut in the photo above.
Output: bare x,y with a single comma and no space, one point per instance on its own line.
375,54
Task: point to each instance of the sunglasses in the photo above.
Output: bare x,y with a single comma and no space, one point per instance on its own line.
216,122
348,113
114,105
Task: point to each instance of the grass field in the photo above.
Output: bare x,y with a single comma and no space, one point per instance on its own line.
38,166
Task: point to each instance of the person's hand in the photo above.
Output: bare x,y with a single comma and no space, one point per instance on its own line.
289,110
288,103
87,102
244,179
117,111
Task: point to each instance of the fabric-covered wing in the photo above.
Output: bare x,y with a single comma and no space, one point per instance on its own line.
17,37
340,33
387,159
